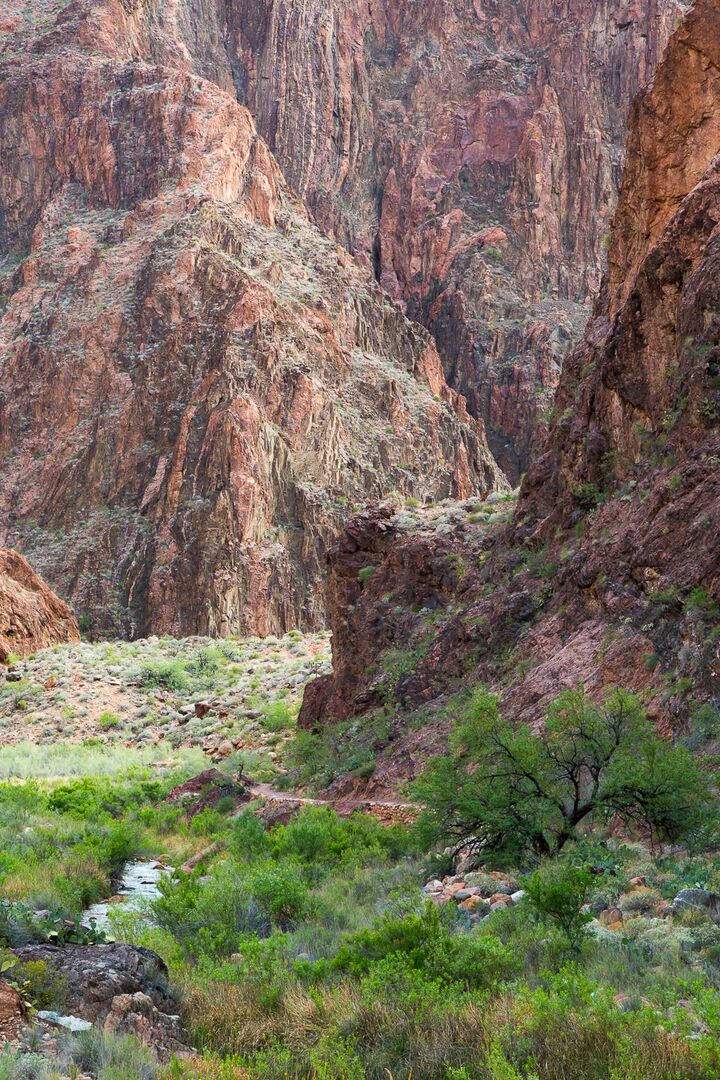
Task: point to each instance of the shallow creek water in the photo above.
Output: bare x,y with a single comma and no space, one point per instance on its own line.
138,883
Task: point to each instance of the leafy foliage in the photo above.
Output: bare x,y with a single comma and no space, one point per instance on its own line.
515,793
557,894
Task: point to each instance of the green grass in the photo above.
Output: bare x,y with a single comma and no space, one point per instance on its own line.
61,759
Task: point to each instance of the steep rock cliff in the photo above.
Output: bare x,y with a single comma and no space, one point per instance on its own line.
471,153
195,383
609,572
31,615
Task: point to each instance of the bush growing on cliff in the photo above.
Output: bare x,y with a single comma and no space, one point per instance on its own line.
516,794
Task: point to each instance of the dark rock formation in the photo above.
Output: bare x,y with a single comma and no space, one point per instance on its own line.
195,383
205,791
31,615
124,988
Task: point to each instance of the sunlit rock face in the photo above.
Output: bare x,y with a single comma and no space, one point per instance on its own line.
31,615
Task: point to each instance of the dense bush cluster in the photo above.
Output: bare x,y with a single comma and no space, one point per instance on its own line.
311,950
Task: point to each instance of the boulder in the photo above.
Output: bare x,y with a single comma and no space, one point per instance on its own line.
95,974
204,791
122,987
699,900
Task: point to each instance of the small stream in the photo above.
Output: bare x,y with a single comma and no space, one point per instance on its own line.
138,882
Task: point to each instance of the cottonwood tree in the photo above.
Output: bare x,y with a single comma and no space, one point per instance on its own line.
517,792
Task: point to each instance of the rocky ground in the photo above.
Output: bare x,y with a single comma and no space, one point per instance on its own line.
220,697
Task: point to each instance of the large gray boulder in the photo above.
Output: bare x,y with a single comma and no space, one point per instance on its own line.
698,900
122,988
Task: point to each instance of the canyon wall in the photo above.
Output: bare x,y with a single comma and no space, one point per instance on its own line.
470,152
197,386
608,571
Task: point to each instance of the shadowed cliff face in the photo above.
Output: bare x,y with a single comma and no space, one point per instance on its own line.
196,384
470,152
609,572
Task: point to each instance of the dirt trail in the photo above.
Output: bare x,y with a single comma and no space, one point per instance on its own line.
266,791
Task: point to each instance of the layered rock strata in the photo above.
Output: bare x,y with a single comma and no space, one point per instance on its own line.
608,574
471,153
32,617
196,384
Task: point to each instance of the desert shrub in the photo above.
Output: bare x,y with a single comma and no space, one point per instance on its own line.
210,1067
108,720
279,892
514,793
277,717
420,942
556,894
320,839
248,839
113,1057
168,674
40,983
640,902
15,1065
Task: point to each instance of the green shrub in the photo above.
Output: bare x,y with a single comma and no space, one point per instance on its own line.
168,674
421,942
277,717
318,838
556,894
40,983
515,793
278,891
248,839
108,720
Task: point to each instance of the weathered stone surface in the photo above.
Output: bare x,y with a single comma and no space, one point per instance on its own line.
95,974
195,383
470,153
31,615
12,1012
698,900
609,574
122,987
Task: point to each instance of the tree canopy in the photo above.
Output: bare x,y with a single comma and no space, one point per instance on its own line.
513,792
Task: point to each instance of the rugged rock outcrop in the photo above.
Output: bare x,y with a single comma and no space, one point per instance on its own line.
31,615
609,573
13,1014
470,152
123,988
195,383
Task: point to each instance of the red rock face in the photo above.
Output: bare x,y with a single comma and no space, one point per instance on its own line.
31,615
609,574
195,383
470,152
